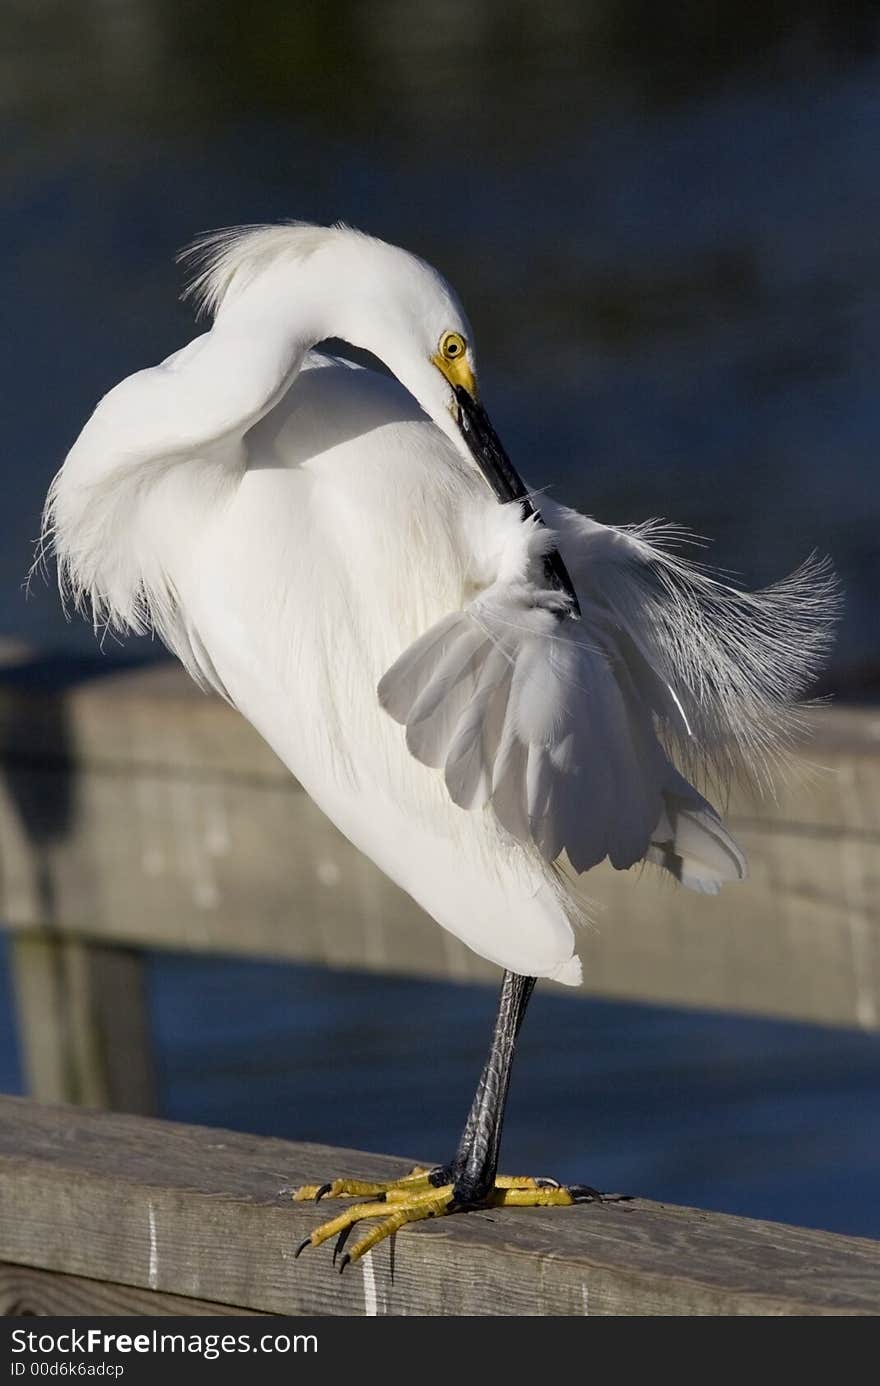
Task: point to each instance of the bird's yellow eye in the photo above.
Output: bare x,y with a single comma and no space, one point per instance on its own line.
452,346
452,362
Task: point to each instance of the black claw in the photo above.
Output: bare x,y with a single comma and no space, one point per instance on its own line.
344,1262
341,1240
585,1193
324,1189
548,1183
302,1246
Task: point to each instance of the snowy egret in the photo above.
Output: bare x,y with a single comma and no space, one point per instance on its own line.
487,698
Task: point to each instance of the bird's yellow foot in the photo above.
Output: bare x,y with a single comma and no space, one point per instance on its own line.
417,1196
418,1178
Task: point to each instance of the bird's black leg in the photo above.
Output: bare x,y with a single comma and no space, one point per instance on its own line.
473,1169
471,1179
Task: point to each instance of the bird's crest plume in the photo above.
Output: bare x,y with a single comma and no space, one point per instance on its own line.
223,262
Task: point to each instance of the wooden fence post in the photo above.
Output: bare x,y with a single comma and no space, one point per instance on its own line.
83,1022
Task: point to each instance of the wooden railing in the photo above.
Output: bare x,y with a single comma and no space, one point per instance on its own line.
108,1214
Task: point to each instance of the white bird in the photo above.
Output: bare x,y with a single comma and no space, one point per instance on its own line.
485,699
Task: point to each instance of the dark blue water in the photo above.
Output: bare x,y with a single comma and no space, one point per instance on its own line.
665,223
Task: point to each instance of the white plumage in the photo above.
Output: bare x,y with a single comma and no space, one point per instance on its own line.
313,540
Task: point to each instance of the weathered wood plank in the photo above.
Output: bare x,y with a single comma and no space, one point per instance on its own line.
82,1023
26,1291
192,1212
135,809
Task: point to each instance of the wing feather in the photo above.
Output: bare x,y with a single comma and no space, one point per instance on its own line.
527,714
567,730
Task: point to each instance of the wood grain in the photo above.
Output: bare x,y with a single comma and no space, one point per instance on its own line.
203,1214
135,810
24,1290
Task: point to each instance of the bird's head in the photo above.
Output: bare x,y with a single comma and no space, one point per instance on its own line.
335,282
396,306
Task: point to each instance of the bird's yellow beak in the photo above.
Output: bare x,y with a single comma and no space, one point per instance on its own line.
457,372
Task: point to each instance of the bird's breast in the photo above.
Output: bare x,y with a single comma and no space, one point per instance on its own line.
321,569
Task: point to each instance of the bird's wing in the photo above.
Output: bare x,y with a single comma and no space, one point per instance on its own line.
565,727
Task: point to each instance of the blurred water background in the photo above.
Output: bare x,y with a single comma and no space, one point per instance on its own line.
665,224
